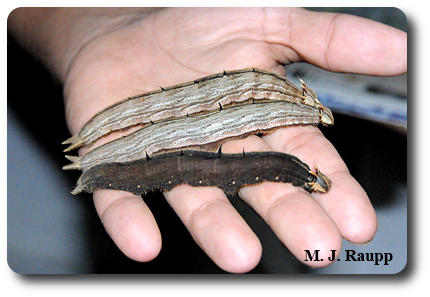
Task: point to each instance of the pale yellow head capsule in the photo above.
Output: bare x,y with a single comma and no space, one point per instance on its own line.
326,117
310,98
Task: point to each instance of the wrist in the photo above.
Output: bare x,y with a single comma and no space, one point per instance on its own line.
56,35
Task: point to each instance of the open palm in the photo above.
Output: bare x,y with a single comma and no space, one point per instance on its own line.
172,46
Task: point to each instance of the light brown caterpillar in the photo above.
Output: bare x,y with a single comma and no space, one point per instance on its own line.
204,131
190,99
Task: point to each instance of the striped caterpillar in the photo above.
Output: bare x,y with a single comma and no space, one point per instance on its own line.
205,94
205,131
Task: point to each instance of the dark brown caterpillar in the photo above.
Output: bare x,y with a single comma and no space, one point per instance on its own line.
230,172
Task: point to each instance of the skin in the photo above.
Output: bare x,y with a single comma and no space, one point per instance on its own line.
104,55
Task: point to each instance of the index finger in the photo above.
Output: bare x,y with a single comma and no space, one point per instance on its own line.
293,214
346,203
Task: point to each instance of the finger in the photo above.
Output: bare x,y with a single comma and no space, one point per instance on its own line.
348,205
346,202
341,42
216,227
130,224
295,217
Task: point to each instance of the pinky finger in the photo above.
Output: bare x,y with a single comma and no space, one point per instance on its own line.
129,222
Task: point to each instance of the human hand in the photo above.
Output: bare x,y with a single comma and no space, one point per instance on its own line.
173,46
